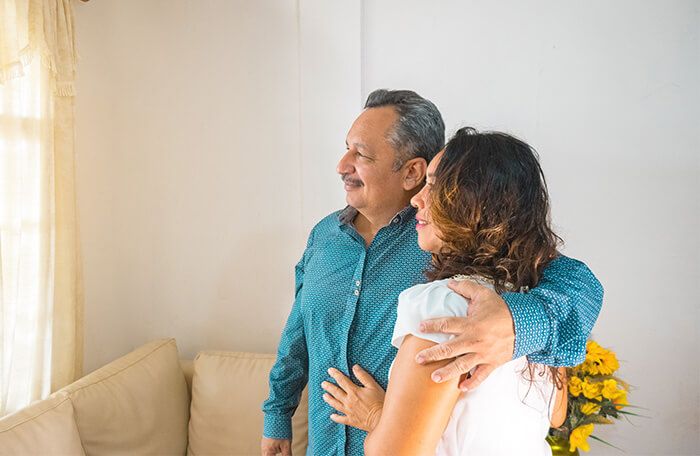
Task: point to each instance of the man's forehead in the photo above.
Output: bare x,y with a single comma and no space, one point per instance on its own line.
383,116
371,126
358,144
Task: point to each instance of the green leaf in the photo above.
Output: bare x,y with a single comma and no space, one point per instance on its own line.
609,444
636,406
624,412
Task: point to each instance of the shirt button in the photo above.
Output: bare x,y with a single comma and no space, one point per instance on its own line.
357,282
396,220
357,292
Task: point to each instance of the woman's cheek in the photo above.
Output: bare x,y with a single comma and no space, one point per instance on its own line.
428,240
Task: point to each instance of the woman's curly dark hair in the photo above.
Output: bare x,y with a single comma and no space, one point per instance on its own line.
489,202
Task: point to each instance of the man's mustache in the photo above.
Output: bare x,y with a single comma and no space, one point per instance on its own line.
350,181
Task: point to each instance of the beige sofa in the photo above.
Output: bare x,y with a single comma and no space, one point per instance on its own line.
140,404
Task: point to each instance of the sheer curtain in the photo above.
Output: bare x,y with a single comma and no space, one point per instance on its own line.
40,280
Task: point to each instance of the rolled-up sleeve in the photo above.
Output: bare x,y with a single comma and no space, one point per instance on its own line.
553,321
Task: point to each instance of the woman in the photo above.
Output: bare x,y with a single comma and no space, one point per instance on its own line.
483,213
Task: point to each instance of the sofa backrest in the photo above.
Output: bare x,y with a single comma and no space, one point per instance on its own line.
137,404
187,366
228,389
45,427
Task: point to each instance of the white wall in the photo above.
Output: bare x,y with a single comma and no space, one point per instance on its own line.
208,131
203,141
608,92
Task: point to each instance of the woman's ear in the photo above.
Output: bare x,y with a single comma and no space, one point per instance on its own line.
414,173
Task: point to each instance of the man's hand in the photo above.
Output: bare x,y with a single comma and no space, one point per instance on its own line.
485,338
273,447
361,406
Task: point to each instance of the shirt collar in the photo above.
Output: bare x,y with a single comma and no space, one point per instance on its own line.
347,215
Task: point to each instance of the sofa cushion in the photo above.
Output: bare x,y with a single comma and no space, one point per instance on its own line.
46,427
187,366
228,390
137,404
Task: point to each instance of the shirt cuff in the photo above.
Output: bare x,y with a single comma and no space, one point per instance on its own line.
277,427
532,325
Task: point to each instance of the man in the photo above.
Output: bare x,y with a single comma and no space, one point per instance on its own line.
358,260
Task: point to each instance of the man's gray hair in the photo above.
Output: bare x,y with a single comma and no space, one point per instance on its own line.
419,130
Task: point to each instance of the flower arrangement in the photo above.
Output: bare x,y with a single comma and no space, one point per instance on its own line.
595,396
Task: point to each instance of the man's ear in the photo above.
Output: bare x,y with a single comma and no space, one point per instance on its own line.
414,173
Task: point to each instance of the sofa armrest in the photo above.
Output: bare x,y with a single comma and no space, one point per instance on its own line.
44,427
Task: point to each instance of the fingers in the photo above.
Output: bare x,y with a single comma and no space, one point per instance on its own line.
477,378
466,288
446,350
341,379
459,366
335,391
340,419
333,402
449,325
286,448
364,377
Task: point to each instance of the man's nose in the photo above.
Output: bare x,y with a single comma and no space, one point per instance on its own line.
345,165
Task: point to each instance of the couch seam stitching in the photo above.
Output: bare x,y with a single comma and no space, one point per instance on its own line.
67,397
225,354
122,370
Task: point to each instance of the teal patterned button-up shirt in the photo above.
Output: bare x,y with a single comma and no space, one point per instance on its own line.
345,308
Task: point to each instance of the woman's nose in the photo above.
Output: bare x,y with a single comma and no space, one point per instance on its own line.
417,199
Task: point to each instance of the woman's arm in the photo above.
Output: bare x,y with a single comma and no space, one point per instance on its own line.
560,401
416,409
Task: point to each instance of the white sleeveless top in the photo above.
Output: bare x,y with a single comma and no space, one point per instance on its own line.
507,414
